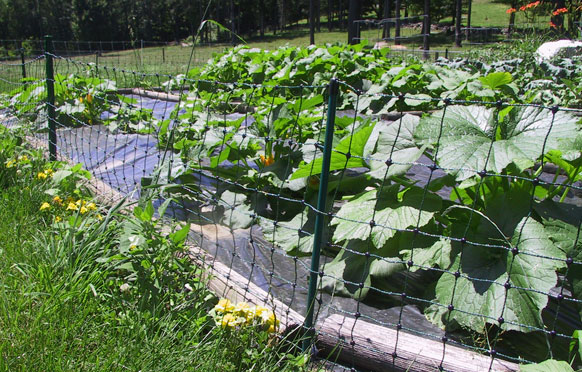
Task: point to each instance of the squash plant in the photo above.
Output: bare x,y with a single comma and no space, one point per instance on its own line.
82,99
499,244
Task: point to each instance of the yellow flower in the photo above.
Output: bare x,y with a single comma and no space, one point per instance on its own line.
224,306
99,217
44,206
81,99
229,320
242,308
41,176
49,172
91,207
10,163
72,207
23,158
260,310
89,98
58,219
57,200
83,210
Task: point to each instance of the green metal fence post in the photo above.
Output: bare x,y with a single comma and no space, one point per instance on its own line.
23,64
321,212
50,101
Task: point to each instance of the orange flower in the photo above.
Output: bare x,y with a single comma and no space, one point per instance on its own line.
267,160
530,5
560,11
510,10
552,25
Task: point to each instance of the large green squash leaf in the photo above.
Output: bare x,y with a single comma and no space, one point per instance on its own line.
393,142
350,273
472,138
547,365
568,238
479,295
496,79
294,236
391,210
237,214
353,145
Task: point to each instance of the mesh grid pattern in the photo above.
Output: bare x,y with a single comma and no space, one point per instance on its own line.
468,214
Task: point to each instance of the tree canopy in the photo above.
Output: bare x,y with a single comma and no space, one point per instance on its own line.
166,20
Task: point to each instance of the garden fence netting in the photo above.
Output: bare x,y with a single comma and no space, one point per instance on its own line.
457,221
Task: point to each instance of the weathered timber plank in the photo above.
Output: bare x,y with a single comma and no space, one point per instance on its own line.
374,346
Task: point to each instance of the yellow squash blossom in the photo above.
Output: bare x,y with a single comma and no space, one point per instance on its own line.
267,160
229,321
242,309
44,206
224,306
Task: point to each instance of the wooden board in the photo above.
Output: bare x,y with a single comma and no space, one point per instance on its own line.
373,347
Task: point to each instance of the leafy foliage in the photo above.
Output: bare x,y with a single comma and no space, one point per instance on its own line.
81,99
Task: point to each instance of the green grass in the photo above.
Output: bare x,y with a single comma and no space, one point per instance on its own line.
61,307
486,13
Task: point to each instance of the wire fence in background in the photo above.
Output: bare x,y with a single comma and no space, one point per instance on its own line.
459,228
144,56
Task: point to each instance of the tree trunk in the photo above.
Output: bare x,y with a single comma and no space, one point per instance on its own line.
311,22
232,24
387,14
511,27
558,20
329,15
262,17
397,28
353,14
318,15
282,10
468,30
341,15
426,32
458,9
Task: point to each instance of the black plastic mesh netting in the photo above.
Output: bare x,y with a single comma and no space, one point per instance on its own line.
459,224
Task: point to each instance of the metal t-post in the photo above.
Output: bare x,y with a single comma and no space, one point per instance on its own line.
321,213
50,98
